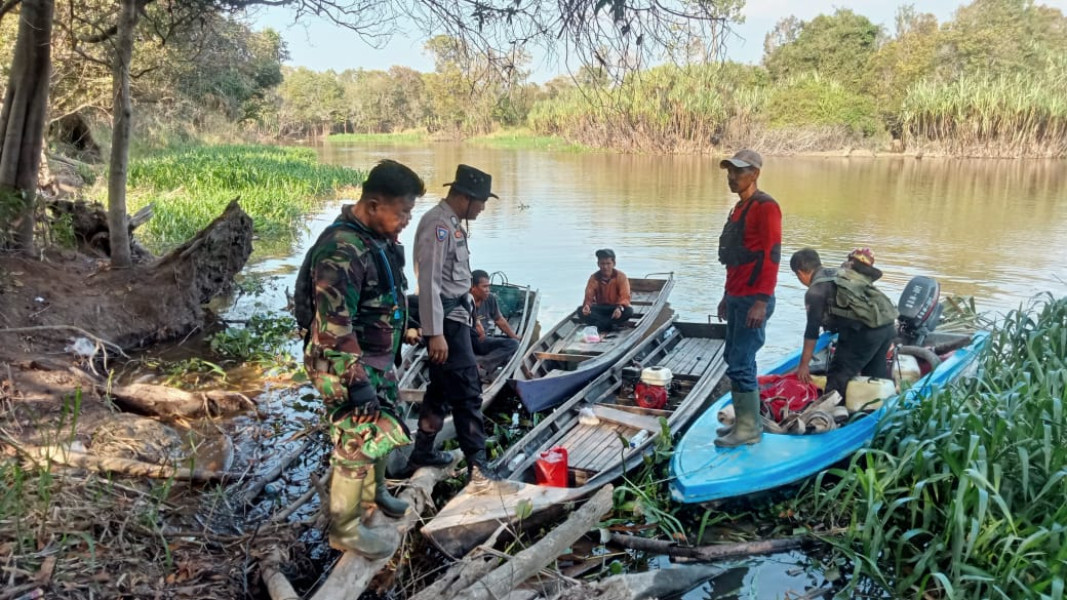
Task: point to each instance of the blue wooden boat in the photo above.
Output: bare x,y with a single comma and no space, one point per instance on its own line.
598,451
701,471
559,363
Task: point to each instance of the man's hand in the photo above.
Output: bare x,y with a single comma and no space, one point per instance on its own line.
365,403
438,349
585,310
412,336
757,314
721,312
615,314
804,373
481,330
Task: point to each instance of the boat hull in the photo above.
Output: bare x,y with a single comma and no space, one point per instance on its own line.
702,471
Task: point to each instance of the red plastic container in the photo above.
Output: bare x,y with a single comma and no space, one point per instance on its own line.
551,467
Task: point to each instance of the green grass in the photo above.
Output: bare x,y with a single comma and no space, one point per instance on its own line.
406,137
963,495
524,139
189,186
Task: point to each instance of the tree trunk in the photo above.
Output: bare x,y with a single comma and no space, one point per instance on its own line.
22,121
120,137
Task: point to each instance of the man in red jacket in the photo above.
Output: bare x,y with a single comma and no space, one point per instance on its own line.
751,248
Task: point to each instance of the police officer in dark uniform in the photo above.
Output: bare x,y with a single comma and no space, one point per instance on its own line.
442,269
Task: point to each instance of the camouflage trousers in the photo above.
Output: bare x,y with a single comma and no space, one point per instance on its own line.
359,442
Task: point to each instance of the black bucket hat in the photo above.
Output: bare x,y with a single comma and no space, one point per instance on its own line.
472,182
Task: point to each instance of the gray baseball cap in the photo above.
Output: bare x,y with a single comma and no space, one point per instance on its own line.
743,158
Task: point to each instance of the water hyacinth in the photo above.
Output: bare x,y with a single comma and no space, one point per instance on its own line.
190,186
964,495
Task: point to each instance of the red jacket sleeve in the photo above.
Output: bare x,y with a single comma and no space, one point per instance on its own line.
768,219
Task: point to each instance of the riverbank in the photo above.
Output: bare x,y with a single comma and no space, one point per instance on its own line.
525,139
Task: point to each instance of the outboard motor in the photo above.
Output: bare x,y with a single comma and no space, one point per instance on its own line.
651,391
919,309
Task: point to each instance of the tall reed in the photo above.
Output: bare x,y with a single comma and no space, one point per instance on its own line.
1019,115
964,495
190,186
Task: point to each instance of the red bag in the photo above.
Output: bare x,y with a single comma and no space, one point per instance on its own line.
778,392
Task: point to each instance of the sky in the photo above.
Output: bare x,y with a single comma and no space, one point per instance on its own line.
319,45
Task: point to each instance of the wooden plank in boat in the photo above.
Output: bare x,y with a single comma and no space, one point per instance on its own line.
693,355
563,357
705,354
590,445
606,413
608,443
609,451
678,355
689,352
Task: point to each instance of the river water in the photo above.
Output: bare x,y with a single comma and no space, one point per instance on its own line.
994,230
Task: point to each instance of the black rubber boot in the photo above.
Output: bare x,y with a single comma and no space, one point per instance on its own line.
391,505
424,455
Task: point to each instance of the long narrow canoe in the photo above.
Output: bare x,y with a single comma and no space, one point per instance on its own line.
560,363
518,304
702,471
597,453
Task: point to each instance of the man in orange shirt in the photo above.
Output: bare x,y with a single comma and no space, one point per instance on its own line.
607,294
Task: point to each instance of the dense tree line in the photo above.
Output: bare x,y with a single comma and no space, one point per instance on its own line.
989,82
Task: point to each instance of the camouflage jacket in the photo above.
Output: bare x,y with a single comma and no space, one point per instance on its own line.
360,307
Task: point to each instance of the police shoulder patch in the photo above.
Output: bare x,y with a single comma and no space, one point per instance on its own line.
442,233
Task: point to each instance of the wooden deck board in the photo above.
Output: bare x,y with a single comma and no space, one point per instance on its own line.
607,450
591,445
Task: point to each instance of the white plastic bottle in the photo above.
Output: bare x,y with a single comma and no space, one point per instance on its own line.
639,438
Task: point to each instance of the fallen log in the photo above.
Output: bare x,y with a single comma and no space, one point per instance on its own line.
351,574
500,582
162,401
43,455
278,586
661,583
707,553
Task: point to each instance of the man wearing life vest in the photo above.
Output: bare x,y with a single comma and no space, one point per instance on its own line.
350,299
751,248
845,300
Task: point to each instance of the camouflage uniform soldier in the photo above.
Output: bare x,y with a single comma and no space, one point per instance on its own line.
350,296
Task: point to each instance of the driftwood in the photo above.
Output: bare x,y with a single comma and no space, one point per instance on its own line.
660,583
351,574
71,458
707,553
503,579
252,491
278,586
162,401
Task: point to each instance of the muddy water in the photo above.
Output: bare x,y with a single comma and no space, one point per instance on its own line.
994,230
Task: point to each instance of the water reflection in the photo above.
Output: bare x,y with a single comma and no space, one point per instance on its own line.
991,229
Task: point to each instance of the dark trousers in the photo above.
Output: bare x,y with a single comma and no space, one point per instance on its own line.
493,351
860,351
743,342
600,315
455,386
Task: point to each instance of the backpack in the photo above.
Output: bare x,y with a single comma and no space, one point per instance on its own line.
303,292
856,298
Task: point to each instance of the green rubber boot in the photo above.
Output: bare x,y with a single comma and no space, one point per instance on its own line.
351,502
748,427
390,504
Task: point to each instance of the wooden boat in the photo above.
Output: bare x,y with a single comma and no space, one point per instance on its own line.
519,306
560,363
597,453
702,471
